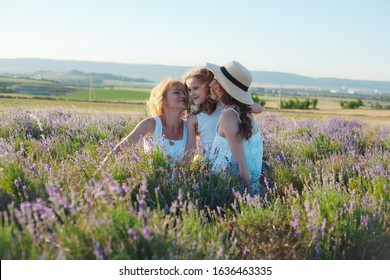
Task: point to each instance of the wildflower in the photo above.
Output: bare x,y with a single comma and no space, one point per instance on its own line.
111,146
367,201
47,167
25,205
142,204
24,188
97,250
310,227
144,185
134,156
365,220
131,232
321,230
180,195
295,223
33,168
125,188
146,233
196,187
317,247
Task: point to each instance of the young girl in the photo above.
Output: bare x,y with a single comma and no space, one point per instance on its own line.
204,119
167,128
238,139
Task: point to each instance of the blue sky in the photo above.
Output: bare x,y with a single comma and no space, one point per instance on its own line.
323,38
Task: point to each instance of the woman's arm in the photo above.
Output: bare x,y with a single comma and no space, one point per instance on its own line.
144,128
192,123
229,128
256,108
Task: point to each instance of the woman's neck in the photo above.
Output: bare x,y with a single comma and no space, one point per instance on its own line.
172,121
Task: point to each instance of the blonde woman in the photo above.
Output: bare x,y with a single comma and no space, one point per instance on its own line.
166,126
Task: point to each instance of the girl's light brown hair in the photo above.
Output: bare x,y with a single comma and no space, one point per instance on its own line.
205,76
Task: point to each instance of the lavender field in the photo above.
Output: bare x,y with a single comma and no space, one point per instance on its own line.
327,193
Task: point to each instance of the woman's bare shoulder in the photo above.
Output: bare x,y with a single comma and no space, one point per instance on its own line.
229,121
147,125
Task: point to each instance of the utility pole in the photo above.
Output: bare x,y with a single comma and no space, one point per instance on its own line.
92,94
280,98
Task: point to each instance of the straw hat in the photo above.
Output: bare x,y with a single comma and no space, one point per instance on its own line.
235,79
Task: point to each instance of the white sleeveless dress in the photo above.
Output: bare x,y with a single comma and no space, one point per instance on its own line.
174,149
222,158
206,128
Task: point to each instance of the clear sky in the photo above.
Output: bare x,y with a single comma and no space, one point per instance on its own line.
323,38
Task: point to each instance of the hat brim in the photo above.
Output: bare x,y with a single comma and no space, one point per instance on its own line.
234,91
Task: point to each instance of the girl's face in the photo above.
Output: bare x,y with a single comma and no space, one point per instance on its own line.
176,98
197,91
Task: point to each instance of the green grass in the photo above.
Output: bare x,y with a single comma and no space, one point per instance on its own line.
33,103
110,95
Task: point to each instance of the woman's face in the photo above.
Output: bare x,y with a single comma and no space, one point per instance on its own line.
176,98
197,91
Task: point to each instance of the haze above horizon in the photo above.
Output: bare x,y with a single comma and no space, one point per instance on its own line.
340,39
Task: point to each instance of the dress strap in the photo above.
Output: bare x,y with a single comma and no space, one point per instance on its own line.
157,135
239,119
232,109
185,132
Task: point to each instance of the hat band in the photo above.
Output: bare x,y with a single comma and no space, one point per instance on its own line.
233,80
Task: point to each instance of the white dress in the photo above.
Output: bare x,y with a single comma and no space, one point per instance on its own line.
222,158
206,127
174,149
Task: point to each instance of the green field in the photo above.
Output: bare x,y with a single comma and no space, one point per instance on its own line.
110,94
134,99
84,106
50,89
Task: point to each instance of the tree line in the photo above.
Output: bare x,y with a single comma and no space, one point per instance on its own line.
299,104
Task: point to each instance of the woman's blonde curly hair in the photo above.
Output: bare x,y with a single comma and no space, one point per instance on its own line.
158,94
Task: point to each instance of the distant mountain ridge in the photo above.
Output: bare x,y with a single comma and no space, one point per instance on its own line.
154,72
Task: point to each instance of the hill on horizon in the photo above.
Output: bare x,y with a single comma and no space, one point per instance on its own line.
155,73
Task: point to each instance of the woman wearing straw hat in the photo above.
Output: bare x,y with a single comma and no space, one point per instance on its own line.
238,138
203,120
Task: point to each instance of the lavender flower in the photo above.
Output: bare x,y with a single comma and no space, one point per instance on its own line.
295,223
17,183
365,220
97,250
146,233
